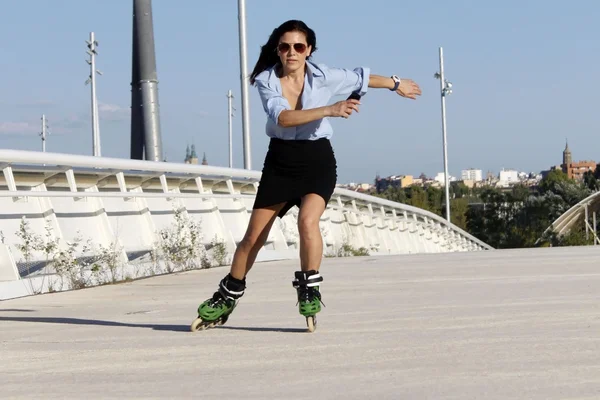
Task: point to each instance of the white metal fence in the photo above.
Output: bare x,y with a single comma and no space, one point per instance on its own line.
128,205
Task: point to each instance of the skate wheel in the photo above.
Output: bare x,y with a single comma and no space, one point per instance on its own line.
199,325
196,325
311,322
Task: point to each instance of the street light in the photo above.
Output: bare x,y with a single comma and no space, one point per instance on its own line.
230,110
44,134
445,89
92,44
244,83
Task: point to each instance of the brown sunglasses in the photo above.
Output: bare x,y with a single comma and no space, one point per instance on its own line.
285,47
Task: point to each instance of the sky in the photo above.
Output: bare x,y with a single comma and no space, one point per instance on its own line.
522,74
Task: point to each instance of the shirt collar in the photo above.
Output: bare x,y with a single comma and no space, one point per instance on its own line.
312,68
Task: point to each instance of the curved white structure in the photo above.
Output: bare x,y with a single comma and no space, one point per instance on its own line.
580,212
124,204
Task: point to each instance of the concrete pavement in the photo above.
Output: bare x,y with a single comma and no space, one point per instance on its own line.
510,324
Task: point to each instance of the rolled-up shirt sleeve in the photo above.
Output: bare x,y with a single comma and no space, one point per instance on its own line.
273,102
343,81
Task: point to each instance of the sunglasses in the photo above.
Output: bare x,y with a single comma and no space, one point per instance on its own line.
285,47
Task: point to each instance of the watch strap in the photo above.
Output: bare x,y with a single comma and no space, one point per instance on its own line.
396,82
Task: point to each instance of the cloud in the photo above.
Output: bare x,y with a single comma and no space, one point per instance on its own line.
113,112
61,125
111,108
65,123
19,128
36,104
70,123
29,104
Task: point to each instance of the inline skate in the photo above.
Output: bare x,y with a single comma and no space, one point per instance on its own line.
309,296
217,309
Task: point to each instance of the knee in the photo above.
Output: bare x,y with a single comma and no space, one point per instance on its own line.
251,240
308,226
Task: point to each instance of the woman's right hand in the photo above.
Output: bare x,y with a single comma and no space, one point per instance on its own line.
343,108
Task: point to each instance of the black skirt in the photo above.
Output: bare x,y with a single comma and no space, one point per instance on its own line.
293,169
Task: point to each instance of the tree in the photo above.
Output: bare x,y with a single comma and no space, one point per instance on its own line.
520,192
488,220
458,190
394,194
535,215
591,181
435,200
417,197
571,191
458,211
550,181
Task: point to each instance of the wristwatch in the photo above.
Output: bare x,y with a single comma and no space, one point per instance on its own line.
396,82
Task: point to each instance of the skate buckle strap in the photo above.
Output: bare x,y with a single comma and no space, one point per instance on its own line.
231,289
304,281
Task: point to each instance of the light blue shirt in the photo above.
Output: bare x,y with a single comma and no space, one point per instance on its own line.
321,83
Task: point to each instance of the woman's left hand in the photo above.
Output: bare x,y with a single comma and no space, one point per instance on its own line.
408,88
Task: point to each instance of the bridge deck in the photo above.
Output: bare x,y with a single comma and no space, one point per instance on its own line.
493,325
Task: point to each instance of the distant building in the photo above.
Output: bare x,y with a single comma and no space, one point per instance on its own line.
523,176
190,155
395,181
406,180
439,178
552,168
578,169
508,177
419,181
469,183
475,175
358,187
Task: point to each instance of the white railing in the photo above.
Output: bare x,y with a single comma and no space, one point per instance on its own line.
126,203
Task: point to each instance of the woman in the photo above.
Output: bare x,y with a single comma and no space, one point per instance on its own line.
300,166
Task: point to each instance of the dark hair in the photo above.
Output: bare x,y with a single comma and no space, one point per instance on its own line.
268,52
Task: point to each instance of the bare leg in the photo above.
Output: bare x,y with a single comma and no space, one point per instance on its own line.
257,233
311,241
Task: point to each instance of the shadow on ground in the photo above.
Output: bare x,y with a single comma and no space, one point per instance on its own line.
157,327
257,329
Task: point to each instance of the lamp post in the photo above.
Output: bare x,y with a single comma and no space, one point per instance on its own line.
445,89
230,109
92,44
244,83
44,133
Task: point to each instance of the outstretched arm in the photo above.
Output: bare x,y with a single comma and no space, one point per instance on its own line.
289,118
380,82
344,81
407,88
279,111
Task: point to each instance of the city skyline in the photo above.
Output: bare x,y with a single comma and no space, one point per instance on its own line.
510,106
494,172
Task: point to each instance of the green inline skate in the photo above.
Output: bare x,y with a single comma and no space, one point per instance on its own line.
216,310
309,296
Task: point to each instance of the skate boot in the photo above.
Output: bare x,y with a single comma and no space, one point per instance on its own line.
216,310
309,296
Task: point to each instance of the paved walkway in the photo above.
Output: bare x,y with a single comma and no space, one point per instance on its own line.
492,325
